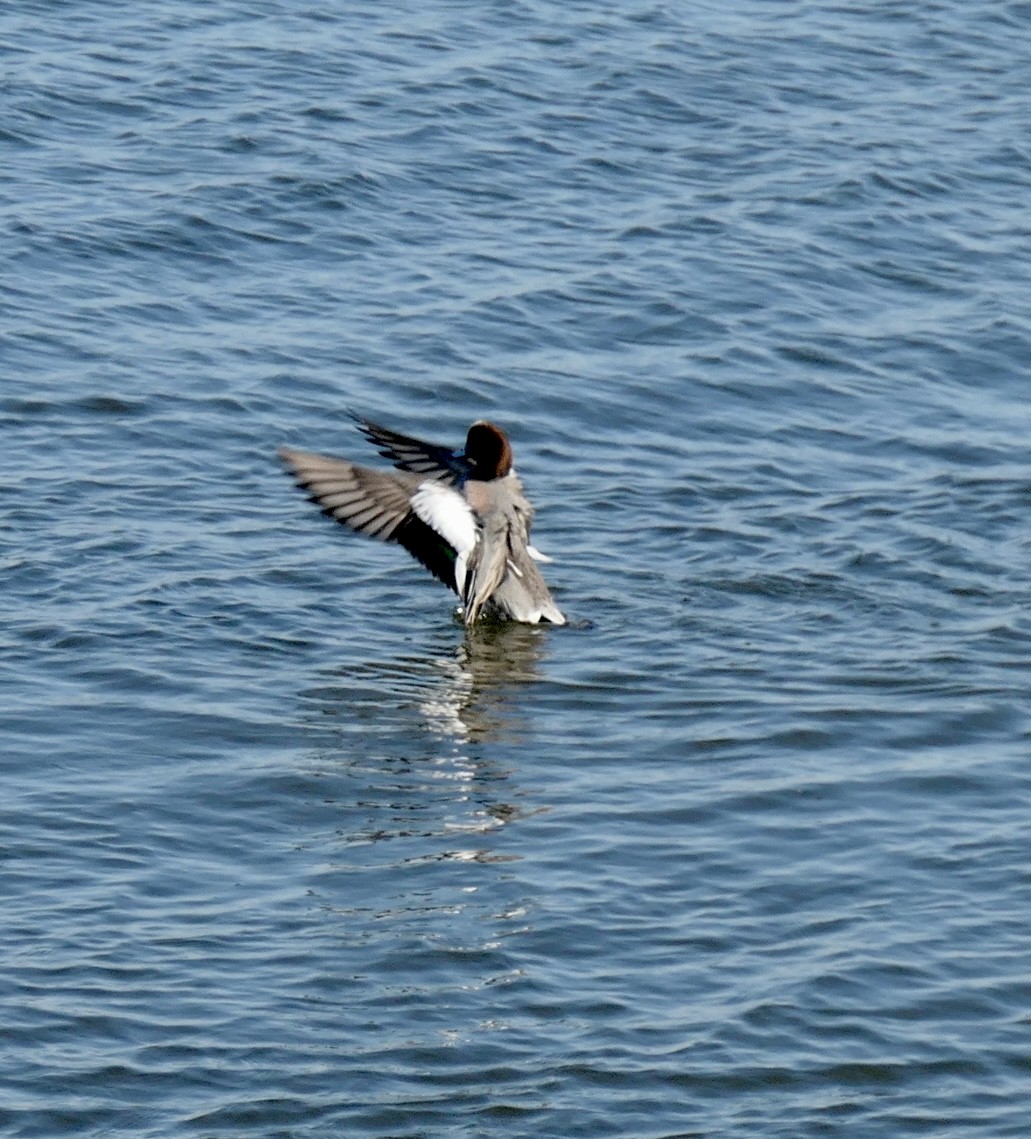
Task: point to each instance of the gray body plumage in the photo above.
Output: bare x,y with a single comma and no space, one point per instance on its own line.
501,574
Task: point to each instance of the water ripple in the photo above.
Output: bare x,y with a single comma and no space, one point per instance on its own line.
741,851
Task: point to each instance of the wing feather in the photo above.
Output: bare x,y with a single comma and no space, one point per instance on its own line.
377,504
411,454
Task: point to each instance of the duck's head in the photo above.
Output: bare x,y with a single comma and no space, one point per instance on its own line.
488,451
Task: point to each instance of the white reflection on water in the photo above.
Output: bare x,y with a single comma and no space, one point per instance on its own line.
476,697
423,745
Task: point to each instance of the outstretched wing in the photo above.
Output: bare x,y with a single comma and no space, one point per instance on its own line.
409,454
375,503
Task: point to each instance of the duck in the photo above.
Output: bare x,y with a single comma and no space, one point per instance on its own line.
461,512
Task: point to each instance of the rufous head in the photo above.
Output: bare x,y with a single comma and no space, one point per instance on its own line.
488,451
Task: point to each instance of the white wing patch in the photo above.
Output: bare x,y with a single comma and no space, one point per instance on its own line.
444,510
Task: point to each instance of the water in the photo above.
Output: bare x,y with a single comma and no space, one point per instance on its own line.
743,851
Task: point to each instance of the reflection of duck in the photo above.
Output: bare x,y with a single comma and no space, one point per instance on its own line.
465,693
474,700
500,654
462,513
428,740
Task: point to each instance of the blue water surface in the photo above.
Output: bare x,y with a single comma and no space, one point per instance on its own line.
744,850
